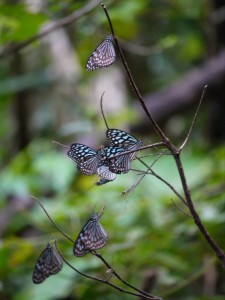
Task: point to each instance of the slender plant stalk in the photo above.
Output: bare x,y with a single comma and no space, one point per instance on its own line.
172,148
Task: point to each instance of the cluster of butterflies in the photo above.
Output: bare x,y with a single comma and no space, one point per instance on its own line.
89,162
105,162
91,238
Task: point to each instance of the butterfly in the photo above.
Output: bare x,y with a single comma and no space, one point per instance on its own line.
91,237
117,165
120,138
49,263
103,56
86,158
105,174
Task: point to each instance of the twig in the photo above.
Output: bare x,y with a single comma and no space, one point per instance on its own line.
180,209
61,145
174,151
166,182
133,187
218,251
132,82
105,281
121,279
194,119
53,223
135,150
103,115
50,27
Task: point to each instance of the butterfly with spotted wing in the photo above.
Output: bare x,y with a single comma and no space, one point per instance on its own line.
49,263
103,56
92,237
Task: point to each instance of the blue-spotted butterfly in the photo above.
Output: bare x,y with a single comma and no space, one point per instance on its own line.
88,160
103,56
120,138
49,263
117,165
92,237
105,174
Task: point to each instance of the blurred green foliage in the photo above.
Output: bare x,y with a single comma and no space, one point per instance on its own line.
149,230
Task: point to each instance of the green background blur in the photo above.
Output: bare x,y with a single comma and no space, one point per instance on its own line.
46,94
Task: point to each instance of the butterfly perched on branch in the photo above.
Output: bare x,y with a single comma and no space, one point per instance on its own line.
49,263
89,161
103,56
120,138
92,237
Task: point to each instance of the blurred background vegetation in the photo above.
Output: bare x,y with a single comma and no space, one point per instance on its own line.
173,49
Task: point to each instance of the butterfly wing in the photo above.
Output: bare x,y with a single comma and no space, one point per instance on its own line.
91,237
85,157
102,181
117,165
103,56
120,138
104,172
49,263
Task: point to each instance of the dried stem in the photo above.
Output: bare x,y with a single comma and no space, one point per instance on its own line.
106,281
132,82
121,279
174,151
194,119
50,27
53,223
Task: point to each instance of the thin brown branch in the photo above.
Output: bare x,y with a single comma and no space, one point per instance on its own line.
53,223
61,145
132,82
218,251
133,187
135,150
174,151
194,119
166,182
106,281
180,209
121,279
50,27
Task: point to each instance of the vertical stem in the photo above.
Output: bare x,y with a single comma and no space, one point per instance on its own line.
219,252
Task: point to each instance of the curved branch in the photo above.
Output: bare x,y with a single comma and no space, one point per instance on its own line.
50,27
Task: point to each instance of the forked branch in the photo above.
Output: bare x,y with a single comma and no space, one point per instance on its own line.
172,148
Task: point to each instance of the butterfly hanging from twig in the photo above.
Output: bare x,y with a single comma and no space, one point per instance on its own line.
89,161
49,263
103,56
92,237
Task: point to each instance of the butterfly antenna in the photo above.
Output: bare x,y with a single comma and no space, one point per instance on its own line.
103,115
53,223
61,145
101,211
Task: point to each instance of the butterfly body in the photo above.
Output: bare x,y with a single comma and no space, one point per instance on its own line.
49,263
103,56
92,237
